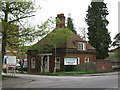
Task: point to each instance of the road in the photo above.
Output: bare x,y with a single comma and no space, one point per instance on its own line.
38,81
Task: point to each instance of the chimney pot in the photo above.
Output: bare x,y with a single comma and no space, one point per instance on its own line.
62,20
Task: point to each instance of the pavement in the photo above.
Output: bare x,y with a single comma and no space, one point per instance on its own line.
18,77
97,74
102,74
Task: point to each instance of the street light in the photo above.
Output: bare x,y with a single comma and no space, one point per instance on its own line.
55,57
1,57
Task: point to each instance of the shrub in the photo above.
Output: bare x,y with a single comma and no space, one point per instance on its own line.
91,67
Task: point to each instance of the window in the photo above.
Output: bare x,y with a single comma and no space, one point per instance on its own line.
86,60
78,59
33,62
81,46
57,62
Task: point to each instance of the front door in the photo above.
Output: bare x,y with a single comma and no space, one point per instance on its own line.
45,64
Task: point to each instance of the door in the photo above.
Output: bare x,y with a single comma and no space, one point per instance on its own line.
46,63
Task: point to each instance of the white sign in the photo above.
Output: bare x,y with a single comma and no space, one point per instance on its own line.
10,60
70,61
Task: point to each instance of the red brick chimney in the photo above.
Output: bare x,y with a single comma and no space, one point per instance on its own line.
61,17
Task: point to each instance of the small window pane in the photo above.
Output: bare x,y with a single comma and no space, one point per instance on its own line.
86,60
81,46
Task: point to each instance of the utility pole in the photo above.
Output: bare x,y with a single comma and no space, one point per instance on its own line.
55,57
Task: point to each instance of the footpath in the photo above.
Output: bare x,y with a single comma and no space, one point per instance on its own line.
16,75
102,74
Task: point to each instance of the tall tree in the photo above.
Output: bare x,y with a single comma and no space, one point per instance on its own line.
12,16
70,24
98,34
13,12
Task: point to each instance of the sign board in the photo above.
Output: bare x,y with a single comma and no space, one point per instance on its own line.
10,60
70,60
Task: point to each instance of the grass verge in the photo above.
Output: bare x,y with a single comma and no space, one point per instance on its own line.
66,73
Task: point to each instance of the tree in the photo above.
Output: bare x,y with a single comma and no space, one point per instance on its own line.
14,33
83,33
13,12
97,32
116,51
117,40
70,24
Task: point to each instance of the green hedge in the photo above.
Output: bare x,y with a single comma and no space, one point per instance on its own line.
86,67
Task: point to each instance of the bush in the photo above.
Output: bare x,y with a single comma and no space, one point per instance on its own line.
91,67
70,68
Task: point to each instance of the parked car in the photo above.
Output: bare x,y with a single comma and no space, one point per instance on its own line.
18,67
116,67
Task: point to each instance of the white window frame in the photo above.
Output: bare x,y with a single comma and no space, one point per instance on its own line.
78,60
57,63
86,60
81,46
33,62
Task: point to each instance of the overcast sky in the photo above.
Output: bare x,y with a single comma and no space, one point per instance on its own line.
77,9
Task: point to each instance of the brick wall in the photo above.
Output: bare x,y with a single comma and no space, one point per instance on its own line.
92,57
98,66
103,66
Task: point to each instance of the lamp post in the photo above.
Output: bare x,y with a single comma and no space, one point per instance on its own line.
1,64
55,57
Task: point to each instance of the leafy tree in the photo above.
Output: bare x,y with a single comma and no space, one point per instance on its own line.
97,32
117,40
83,33
116,51
13,12
14,33
70,24
117,54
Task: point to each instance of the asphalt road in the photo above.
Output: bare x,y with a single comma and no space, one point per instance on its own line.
37,81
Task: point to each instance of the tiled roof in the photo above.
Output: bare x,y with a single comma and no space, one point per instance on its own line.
62,39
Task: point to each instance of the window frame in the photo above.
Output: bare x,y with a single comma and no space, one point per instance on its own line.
81,46
57,63
86,61
78,60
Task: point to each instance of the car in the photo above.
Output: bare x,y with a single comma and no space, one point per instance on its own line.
18,67
116,67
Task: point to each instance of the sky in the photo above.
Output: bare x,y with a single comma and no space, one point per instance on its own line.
77,9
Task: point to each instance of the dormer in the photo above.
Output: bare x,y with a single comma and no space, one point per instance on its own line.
81,46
